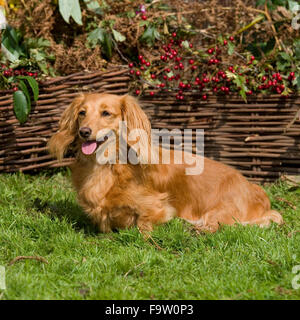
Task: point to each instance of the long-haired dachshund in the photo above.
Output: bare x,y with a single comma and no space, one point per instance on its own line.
117,195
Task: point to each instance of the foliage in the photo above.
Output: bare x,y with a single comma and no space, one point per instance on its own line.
63,36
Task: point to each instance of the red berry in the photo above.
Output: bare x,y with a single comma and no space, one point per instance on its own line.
138,73
131,71
194,68
191,45
144,17
292,74
225,42
252,58
152,93
264,78
231,38
204,97
15,89
148,64
142,68
137,92
140,57
153,76
174,34
130,65
191,61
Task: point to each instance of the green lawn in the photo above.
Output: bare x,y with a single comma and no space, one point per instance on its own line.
39,216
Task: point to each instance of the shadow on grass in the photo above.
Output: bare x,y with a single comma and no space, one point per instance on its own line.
69,211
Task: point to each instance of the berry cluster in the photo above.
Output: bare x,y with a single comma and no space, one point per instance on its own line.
182,68
10,73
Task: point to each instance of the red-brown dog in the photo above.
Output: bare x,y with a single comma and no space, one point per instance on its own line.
123,195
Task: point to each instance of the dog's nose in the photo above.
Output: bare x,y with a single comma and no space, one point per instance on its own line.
85,132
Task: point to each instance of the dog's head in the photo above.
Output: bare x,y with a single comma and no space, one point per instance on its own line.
91,115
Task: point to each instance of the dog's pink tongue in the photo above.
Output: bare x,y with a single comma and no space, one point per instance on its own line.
89,147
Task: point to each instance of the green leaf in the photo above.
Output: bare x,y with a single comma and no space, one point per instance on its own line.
21,107
293,5
96,36
149,35
24,89
107,45
33,85
297,82
94,6
70,8
10,44
118,36
285,56
11,56
243,95
231,47
185,44
144,23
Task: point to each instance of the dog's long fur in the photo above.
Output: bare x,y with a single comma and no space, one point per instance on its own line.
123,195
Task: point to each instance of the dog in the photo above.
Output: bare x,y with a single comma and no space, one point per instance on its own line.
122,195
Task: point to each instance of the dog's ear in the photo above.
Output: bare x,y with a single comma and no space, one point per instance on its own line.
137,122
60,141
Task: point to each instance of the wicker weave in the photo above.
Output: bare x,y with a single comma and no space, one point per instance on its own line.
253,137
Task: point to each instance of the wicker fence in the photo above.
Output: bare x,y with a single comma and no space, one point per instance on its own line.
256,137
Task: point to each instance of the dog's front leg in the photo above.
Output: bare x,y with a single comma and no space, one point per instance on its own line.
153,209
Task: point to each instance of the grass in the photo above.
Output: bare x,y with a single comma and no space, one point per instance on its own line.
39,216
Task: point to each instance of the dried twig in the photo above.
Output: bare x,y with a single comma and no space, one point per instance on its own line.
287,202
130,270
37,258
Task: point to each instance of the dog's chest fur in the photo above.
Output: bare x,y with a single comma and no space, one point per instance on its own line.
99,189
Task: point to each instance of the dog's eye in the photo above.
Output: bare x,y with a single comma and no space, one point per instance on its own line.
105,113
82,113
